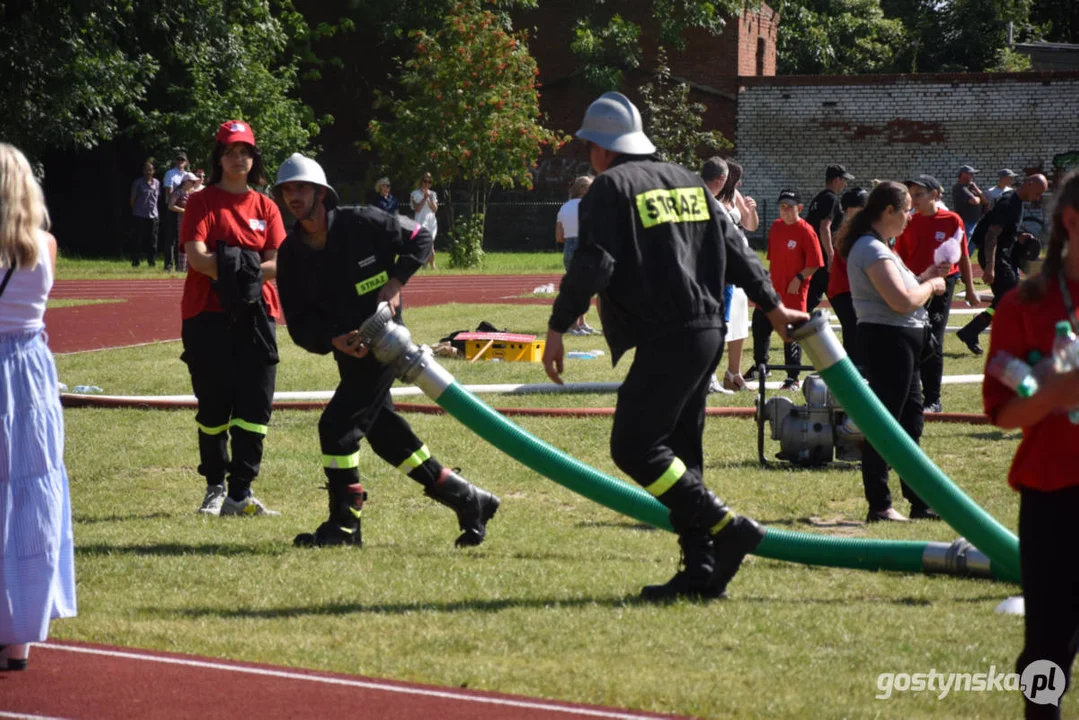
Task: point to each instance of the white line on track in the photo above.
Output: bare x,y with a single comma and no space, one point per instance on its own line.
23,716
365,684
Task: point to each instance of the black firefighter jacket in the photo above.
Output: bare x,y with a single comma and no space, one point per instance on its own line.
239,288
329,292
658,249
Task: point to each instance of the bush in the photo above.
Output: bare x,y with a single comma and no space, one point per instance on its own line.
466,242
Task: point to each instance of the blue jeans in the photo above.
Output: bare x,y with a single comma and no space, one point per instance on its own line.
568,249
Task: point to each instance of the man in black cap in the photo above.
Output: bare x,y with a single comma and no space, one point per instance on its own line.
825,216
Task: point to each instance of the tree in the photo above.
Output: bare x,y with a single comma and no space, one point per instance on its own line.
673,122
165,73
607,44
468,112
836,37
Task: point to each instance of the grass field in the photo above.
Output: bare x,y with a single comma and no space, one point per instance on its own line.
547,606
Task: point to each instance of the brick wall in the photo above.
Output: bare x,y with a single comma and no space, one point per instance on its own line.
893,126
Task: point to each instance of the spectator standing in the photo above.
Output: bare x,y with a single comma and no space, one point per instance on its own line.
996,237
851,202
177,205
424,201
825,215
1043,469
231,234
968,201
384,200
169,231
145,194
889,301
929,228
794,257
565,234
1005,181
37,566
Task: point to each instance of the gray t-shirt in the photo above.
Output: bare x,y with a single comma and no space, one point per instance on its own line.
869,306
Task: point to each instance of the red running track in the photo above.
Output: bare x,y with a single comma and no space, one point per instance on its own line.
151,311
84,682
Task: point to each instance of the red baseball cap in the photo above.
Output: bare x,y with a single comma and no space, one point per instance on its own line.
232,131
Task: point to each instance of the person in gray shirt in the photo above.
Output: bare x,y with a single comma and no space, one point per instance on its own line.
145,192
968,200
889,301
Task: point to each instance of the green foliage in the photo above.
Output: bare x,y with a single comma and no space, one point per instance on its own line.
468,112
607,44
466,248
65,76
835,37
166,74
673,123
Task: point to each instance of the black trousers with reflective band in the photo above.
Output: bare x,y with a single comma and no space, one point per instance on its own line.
660,411
892,357
1048,537
362,407
234,388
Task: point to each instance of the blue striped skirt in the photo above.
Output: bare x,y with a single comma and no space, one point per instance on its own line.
37,560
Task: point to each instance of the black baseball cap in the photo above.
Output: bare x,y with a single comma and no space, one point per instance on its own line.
836,171
788,196
854,197
180,155
927,181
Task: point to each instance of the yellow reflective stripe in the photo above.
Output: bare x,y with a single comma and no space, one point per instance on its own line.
249,426
669,477
372,283
731,515
414,460
212,430
674,205
341,462
991,311
355,513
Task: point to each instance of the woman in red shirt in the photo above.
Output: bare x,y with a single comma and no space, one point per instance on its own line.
1044,468
233,368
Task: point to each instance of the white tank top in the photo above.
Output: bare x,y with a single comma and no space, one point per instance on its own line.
22,306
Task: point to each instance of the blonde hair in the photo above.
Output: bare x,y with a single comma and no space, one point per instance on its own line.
22,209
579,187
380,182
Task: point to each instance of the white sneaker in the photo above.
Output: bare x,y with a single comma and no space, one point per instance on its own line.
589,330
578,331
211,503
250,505
715,386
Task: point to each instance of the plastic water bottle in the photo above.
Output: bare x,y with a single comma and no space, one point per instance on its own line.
1066,357
1014,373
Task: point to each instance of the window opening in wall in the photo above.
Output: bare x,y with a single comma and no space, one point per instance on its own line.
762,49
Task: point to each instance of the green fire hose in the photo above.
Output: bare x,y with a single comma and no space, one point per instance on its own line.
392,345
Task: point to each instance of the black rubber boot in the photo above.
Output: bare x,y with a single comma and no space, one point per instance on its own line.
737,539
474,506
343,527
694,578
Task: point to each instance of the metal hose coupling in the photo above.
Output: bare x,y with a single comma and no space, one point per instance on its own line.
959,558
818,340
391,344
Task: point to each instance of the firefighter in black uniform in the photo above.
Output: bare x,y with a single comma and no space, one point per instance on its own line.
335,266
658,252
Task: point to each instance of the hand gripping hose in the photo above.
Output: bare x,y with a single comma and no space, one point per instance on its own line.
392,345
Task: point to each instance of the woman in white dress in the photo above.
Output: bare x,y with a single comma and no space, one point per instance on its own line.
743,210
424,203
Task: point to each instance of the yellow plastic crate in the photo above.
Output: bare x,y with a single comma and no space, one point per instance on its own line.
507,347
